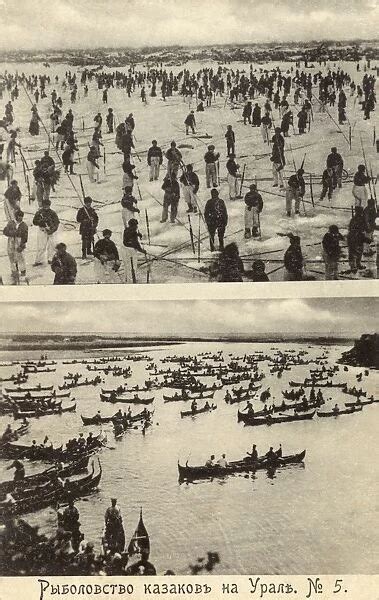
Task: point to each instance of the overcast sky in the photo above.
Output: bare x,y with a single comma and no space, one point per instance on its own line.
93,23
175,318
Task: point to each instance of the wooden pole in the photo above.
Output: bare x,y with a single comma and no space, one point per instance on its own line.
133,271
198,242
191,235
242,179
147,226
82,186
311,189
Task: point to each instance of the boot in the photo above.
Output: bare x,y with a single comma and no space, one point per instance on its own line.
247,234
255,232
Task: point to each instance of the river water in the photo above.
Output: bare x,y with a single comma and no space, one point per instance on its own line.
320,517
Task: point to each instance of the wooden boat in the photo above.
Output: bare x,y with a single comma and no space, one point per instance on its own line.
68,469
204,409
140,541
23,390
329,384
72,384
18,451
16,434
50,492
189,396
135,400
31,396
20,378
332,413
120,390
361,402
241,466
34,369
271,420
354,392
58,410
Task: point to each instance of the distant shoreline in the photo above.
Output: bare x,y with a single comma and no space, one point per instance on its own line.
46,343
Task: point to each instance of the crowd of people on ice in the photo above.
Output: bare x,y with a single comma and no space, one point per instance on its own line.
180,181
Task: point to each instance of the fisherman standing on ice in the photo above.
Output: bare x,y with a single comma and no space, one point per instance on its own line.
277,158
190,122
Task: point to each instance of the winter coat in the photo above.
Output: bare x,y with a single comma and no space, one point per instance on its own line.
64,268
215,213
47,219
254,199
88,219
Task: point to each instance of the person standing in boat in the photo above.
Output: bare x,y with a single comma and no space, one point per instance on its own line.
253,454
114,531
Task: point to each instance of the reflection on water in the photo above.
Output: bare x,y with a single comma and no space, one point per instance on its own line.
314,518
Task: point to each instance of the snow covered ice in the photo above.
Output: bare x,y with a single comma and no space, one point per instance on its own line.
170,257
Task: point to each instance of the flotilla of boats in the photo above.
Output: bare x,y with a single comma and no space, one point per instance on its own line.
28,401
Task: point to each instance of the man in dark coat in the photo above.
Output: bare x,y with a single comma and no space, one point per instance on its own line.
190,122
171,197
64,266
331,251
216,218
277,157
293,260
88,219
253,208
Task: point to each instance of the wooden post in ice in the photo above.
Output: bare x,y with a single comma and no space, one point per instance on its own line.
311,189
198,242
191,235
374,137
350,136
82,124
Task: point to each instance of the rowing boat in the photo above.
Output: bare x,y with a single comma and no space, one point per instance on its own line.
333,413
134,400
242,466
58,410
270,420
204,409
50,492
189,396
68,470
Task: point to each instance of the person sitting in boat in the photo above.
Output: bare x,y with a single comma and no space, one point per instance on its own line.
211,461
129,413
222,462
19,473
279,451
253,454
81,442
265,409
207,405
249,408
118,428
270,455
193,406
336,409
8,434
97,418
